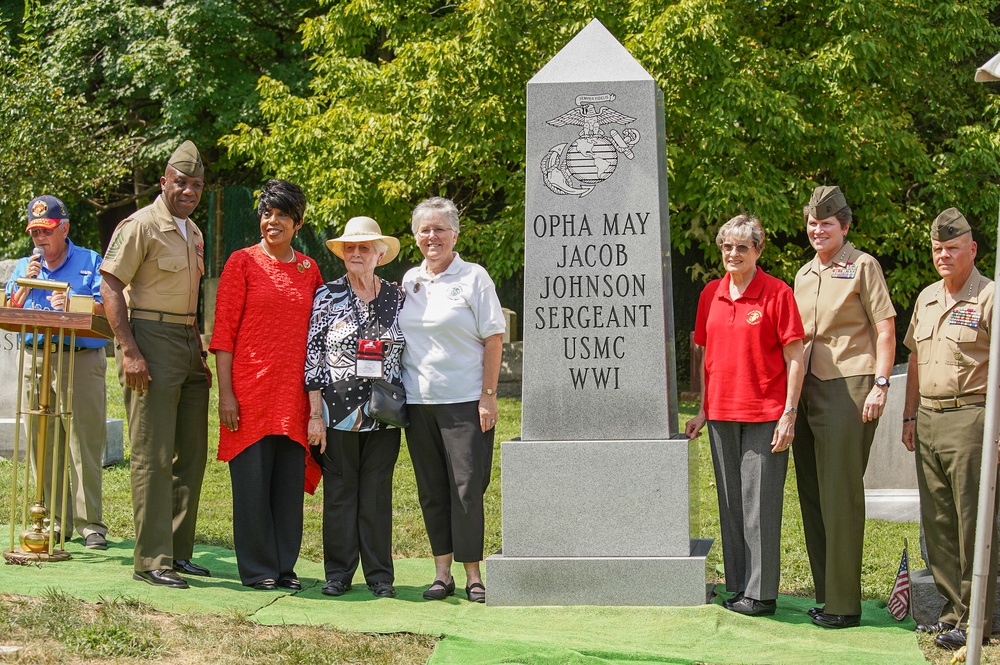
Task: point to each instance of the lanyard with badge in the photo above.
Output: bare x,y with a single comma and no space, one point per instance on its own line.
368,364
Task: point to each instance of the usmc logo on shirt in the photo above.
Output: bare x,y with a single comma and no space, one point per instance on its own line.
754,316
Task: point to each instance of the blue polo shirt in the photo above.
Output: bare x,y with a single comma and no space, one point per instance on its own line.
82,269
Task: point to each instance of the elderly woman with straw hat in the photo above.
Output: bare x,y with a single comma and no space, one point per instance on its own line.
357,452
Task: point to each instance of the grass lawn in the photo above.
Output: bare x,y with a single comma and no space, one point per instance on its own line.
883,540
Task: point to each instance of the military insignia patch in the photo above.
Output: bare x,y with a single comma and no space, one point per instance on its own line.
200,250
965,316
754,317
116,244
39,209
846,271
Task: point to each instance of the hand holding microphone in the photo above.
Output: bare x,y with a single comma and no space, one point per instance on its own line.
35,263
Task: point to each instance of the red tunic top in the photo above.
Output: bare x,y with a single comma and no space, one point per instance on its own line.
262,318
745,376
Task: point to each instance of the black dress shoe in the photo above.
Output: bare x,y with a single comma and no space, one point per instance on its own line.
290,583
165,578
265,585
837,620
936,627
185,566
474,594
955,639
383,590
814,611
728,603
335,588
754,608
439,590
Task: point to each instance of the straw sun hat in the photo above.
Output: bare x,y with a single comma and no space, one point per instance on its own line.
363,229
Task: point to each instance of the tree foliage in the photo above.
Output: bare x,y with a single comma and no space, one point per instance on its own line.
158,72
764,100
53,142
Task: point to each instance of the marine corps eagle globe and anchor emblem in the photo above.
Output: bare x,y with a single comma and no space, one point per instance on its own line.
576,168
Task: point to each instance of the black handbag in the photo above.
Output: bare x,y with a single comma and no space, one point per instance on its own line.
387,403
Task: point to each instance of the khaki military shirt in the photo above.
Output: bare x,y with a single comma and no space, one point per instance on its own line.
952,345
840,305
160,268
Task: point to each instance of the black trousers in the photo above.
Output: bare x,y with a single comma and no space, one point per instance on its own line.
452,460
268,484
357,503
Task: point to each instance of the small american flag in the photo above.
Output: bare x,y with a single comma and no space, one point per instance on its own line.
899,599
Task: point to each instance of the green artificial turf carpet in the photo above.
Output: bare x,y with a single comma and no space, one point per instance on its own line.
482,634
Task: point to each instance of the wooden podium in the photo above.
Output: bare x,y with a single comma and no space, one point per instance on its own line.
57,329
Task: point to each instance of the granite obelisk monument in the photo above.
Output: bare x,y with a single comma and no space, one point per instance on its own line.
595,494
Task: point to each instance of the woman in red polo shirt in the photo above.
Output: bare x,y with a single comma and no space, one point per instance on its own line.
749,326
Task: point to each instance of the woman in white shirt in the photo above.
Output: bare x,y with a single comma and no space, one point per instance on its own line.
453,328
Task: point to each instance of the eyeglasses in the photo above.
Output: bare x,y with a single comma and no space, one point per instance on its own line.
34,233
438,230
740,249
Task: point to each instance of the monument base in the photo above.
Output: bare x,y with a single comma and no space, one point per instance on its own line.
893,505
114,446
622,581
926,603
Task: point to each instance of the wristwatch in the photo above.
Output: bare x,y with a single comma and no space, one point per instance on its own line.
489,391
881,382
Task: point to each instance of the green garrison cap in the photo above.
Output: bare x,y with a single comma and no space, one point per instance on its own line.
826,201
187,160
950,224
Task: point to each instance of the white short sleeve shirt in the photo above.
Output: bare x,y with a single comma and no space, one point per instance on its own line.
444,320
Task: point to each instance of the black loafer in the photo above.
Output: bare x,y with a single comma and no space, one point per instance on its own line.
955,639
95,541
265,585
383,590
335,588
290,583
837,620
936,627
754,608
164,578
444,590
474,595
185,566
728,603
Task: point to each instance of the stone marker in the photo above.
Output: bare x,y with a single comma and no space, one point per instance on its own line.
891,476
595,495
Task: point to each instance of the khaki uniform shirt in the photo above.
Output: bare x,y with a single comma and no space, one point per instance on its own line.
160,268
952,345
840,305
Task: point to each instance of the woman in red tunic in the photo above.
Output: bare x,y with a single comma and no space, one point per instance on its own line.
261,323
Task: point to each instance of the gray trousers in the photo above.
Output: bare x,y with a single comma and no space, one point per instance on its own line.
750,481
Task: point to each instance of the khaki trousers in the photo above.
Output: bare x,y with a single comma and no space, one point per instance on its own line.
831,450
168,430
949,458
86,443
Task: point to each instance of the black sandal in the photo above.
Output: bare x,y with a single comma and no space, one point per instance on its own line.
440,594
476,596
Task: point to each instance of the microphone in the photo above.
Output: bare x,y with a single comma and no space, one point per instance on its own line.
37,251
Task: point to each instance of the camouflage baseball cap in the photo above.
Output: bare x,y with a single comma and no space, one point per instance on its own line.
187,160
950,224
826,201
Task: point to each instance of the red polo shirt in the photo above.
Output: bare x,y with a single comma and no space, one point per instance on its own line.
745,375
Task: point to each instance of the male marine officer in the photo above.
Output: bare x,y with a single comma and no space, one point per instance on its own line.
152,270
949,340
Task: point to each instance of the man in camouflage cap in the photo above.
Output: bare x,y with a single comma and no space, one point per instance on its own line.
943,418
152,270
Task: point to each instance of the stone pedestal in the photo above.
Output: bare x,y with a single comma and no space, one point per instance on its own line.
891,478
593,522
